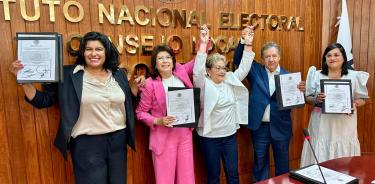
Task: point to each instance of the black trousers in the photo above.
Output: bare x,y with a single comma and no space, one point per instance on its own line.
100,159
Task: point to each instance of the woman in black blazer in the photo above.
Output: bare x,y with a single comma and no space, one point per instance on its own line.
97,118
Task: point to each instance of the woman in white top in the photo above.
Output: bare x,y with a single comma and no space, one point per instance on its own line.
223,107
333,135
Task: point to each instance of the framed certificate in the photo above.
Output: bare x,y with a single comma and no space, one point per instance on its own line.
338,98
42,57
312,175
184,104
287,94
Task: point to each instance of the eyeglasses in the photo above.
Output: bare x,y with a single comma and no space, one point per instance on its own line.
218,68
160,59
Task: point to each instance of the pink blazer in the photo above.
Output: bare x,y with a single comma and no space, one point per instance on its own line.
153,105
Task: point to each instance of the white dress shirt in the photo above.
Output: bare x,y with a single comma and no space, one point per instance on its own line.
272,88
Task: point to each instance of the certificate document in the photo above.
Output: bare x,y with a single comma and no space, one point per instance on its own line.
338,98
311,174
180,103
40,55
287,93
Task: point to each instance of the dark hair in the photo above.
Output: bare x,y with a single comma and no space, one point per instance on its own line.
157,49
344,67
111,55
140,68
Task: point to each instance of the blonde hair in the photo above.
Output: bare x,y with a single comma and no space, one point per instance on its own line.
214,58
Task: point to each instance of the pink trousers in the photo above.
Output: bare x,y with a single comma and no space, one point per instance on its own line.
175,165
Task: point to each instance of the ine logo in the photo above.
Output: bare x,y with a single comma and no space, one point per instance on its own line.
171,1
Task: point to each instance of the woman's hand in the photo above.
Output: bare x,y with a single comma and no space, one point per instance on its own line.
357,103
204,38
15,66
165,121
140,81
137,83
302,86
320,98
29,89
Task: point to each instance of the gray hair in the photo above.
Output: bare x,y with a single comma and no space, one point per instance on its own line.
269,45
214,58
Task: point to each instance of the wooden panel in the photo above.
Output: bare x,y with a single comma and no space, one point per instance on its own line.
12,116
27,151
370,131
5,150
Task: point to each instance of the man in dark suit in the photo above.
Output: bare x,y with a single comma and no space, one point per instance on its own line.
268,125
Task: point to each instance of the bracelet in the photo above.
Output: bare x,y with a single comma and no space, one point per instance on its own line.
248,44
156,121
314,98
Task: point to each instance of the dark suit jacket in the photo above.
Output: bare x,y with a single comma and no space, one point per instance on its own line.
281,126
68,95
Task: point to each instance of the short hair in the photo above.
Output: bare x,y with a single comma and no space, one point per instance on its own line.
214,58
344,67
157,49
269,45
111,55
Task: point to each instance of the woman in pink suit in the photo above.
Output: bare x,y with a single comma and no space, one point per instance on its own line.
172,148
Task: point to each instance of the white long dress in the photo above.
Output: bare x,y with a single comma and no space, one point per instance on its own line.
333,135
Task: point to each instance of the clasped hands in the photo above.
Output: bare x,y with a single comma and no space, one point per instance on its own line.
247,36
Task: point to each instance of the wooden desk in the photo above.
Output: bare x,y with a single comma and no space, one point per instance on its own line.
361,167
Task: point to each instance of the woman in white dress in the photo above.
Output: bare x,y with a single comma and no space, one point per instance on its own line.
333,135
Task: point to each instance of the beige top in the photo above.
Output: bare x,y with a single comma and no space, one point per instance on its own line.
102,106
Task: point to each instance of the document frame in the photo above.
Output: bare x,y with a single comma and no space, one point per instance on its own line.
309,180
342,82
57,43
280,97
196,93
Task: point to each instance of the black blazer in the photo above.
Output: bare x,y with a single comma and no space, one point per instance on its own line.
68,94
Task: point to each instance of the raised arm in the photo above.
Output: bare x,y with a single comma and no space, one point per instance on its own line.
199,71
241,46
247,56
29,89
39,99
